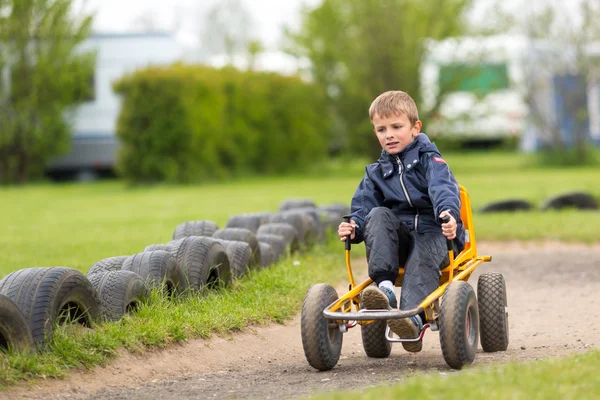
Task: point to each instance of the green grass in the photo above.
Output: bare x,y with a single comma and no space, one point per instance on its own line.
76,225
574,377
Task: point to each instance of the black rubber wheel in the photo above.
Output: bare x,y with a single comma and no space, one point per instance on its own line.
330,221
296,203
107,265
14,329
493,312
267,254
374,341
287,231
248,221
314,228
158,269
299,221
204,261
304,224
459,324
160,246
242,235
50,296
277,243
321,338
509,205
239,254
576,200
336,208
119,292
194,228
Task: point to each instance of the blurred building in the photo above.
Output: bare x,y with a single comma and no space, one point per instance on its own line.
94,142
490,88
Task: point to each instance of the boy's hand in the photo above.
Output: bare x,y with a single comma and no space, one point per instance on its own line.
346,229
448,228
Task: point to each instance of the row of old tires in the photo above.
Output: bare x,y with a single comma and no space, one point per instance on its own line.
571,200
200,257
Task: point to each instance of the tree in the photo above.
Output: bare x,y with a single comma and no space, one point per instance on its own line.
43,77
227,29
557,69
359,49
255,48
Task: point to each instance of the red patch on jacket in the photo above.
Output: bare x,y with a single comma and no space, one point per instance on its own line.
438,159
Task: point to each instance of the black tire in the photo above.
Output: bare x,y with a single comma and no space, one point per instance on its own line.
331,215
107,265
296,203
493,312
50,296
308,231
287,231
14,329
119,292
510,205
459,324
248,221
239,254
315,227
336,208
374,341
242,235
267,254
577,200
330,221
204,261
321,340
194,228
158,269
153,247
277,243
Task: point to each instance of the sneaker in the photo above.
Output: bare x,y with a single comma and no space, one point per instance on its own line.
374,298
408,328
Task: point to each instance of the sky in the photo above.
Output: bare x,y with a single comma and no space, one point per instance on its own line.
188,16
186,19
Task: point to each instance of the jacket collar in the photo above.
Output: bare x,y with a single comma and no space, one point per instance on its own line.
408,156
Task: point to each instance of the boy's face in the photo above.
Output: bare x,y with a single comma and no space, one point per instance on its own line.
395,133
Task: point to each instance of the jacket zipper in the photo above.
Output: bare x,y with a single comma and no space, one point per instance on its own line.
400,171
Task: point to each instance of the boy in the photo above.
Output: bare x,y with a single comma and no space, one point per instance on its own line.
397,209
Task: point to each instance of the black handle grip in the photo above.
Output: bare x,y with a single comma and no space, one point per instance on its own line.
347,243
449,244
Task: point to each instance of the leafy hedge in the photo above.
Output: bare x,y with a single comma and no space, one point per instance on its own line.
185,123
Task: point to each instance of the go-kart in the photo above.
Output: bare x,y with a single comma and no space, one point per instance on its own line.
452,309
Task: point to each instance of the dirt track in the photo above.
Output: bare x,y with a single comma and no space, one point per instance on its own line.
551,287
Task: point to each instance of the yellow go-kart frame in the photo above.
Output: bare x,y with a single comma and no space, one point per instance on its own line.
325,317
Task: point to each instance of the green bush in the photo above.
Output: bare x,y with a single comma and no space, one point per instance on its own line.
185,123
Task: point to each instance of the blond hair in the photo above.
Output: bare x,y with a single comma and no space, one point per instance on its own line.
393,103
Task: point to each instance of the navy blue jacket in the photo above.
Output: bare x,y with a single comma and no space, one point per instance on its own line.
417,185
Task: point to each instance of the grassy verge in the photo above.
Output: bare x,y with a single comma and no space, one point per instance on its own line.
268,295
574,377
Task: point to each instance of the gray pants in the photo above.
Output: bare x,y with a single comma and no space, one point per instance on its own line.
391,244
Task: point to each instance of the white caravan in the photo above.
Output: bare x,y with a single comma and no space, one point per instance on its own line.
94,143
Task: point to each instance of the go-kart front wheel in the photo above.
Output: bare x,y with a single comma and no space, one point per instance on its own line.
321,338
493,311
459,324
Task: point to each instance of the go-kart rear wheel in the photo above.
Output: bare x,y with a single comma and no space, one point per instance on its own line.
493,312
321,338
374,341
459,324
